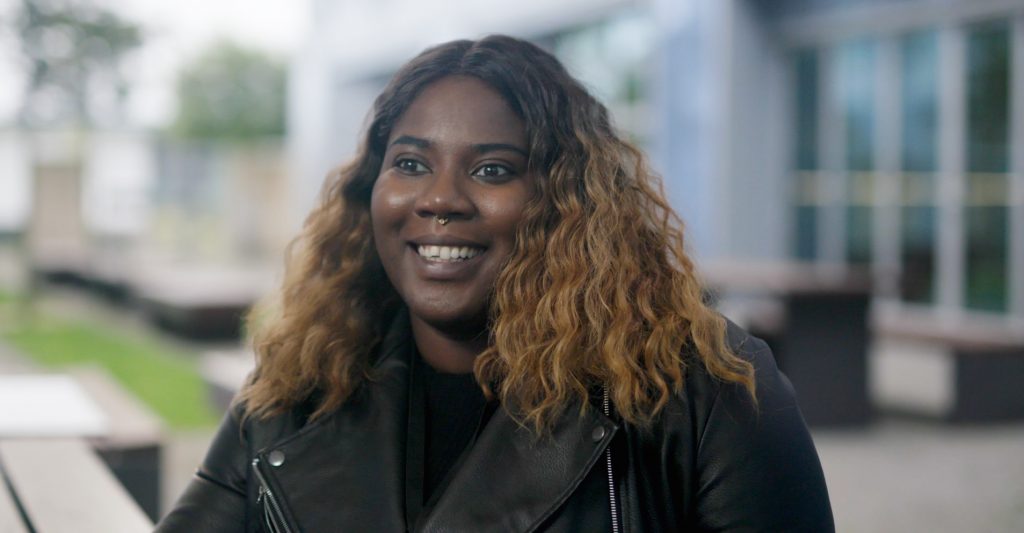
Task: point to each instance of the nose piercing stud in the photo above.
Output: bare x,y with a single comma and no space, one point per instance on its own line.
441,220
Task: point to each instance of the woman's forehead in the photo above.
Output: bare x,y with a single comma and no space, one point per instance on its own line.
460,110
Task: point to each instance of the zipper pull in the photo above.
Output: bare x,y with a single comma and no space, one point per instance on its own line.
273,517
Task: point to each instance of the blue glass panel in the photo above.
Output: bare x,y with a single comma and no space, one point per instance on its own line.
856,62
919,111
919,72
917,282
857,90
986,213
807,109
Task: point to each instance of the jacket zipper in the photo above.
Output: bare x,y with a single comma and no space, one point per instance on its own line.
273,517
611,478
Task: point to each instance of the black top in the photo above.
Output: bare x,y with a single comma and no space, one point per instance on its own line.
454,405
446,412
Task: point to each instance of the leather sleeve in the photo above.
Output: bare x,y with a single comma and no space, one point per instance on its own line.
215,499
757,467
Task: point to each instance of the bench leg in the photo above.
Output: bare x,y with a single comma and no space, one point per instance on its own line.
138,469
823,350
989,386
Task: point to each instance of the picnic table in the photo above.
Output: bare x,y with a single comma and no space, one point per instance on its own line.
59,485
818,332
200,302
87,404
985,359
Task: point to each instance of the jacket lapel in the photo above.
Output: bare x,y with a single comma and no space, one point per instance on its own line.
346,471
511,480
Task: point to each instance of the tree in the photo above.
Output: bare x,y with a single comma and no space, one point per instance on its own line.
231,92
73,51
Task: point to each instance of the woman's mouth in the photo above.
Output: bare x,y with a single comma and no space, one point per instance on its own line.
449,254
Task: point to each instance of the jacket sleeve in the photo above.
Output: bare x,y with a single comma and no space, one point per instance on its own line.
757,467
215,499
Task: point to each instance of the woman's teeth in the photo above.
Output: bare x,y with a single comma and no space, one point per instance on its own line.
447,253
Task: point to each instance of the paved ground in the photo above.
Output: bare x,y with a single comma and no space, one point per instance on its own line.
913,476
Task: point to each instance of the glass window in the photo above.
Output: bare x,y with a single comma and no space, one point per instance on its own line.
918,162
986,211
857,104
919,71
806,204
807,110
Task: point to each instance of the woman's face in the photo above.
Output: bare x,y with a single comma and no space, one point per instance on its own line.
450,193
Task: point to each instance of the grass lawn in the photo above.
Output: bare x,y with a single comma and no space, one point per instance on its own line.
167,381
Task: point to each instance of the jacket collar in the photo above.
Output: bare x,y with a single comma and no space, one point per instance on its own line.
347,471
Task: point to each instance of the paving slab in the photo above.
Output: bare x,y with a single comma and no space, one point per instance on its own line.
908,475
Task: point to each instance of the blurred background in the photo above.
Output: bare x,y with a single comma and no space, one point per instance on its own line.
851,173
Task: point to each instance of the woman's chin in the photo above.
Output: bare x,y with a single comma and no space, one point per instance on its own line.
461,322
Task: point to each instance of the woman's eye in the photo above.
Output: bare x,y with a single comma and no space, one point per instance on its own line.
410,166
493,172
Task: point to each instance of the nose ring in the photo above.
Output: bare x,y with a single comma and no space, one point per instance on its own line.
442,220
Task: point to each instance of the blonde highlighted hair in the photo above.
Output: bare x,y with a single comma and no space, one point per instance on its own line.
598,292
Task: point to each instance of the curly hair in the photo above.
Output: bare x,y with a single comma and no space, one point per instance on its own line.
598,291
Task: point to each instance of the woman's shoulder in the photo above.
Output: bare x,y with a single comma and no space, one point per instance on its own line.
242,433
259,430
704,389
755,459
708,408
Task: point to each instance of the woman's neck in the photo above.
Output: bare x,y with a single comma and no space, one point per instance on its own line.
448,352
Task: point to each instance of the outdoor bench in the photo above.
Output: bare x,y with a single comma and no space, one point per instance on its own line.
816,324
87,403
60,485
983,362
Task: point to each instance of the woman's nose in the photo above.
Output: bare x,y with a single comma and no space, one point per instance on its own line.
444,196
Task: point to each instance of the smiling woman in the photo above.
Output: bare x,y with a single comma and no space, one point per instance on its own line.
490,324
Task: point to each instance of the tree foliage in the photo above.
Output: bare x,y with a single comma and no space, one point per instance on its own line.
73,52
231,92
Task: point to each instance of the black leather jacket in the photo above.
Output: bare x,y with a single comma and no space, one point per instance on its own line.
709,463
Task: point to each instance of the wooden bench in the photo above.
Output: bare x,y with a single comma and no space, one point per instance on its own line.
60,485
984,361
123,432
816,324
200,302
225,372
133,443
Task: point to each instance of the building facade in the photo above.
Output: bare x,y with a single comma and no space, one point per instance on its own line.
886,135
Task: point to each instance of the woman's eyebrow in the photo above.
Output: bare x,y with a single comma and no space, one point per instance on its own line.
494,147
482,148
414,141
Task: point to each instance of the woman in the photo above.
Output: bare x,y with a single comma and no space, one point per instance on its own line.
490,324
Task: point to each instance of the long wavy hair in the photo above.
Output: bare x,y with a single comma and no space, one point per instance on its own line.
598,291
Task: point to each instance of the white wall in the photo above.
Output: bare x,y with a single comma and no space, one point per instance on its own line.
119,172
687,95
754,198
15,182
721,141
